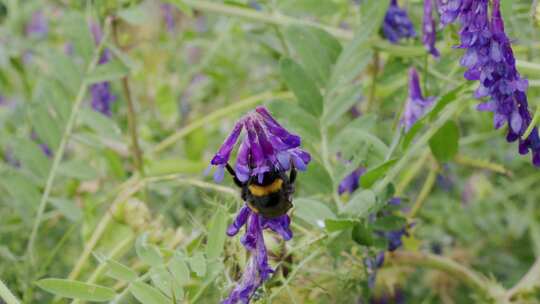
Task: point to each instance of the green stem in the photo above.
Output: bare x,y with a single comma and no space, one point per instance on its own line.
328,166
63,142
418,145
424,192
528,282
534,121
460,272
275,18
482,164
7,295
237,106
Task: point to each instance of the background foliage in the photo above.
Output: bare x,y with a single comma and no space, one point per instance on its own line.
120,211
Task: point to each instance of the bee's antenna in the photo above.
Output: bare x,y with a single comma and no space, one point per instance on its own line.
233,173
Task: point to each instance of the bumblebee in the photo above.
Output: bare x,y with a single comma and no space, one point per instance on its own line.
270,198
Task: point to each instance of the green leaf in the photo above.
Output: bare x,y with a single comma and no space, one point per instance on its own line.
32,158
101,124
337,105
148,253
360,204
198,264
312,211
362,234
164,281
358,53
112,70
78,33
333,225
48,128
304,88
120,271
77,290
147,294
317,49
67,208
179,269
389,222
373,175
316,179
134,15
445,143
216,235
78,169
296,119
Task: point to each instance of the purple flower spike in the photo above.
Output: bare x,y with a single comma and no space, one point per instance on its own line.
397,24
267,146
489,59
38,25
416,105
101,94
167,11
351,182
257,270
429,34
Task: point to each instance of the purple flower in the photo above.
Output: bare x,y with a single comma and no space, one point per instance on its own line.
257,270
490,60
102,97
266,147
38,25
416,105
397,24
167,10
44,147
351,182
429,34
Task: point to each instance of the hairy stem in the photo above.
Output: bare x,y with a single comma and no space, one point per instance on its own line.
7,295
530,280
424,192
131,114
63,142
481,164
469,277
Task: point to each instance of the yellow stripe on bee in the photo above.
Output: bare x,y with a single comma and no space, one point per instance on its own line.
265,190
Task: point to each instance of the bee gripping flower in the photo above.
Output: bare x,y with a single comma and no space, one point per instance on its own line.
265,147
397,25
416,105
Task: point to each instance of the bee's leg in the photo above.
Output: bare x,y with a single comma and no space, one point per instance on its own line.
235,178
292,176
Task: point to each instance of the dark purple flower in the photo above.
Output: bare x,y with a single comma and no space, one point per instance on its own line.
490,60
257,270
102,97
38,25
266,147
167,10
395,297
429,33
416,105
351,182
397,24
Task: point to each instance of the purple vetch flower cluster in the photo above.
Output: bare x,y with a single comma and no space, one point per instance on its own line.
429,33
167,11
490,60
267,147
102,97
257,269
38,26
351,182
416,105
397,25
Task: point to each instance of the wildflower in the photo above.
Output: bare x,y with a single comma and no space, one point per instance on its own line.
351,182
266,148
416,105
167,10
397,24
102,97
38,26
490,60
429,34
